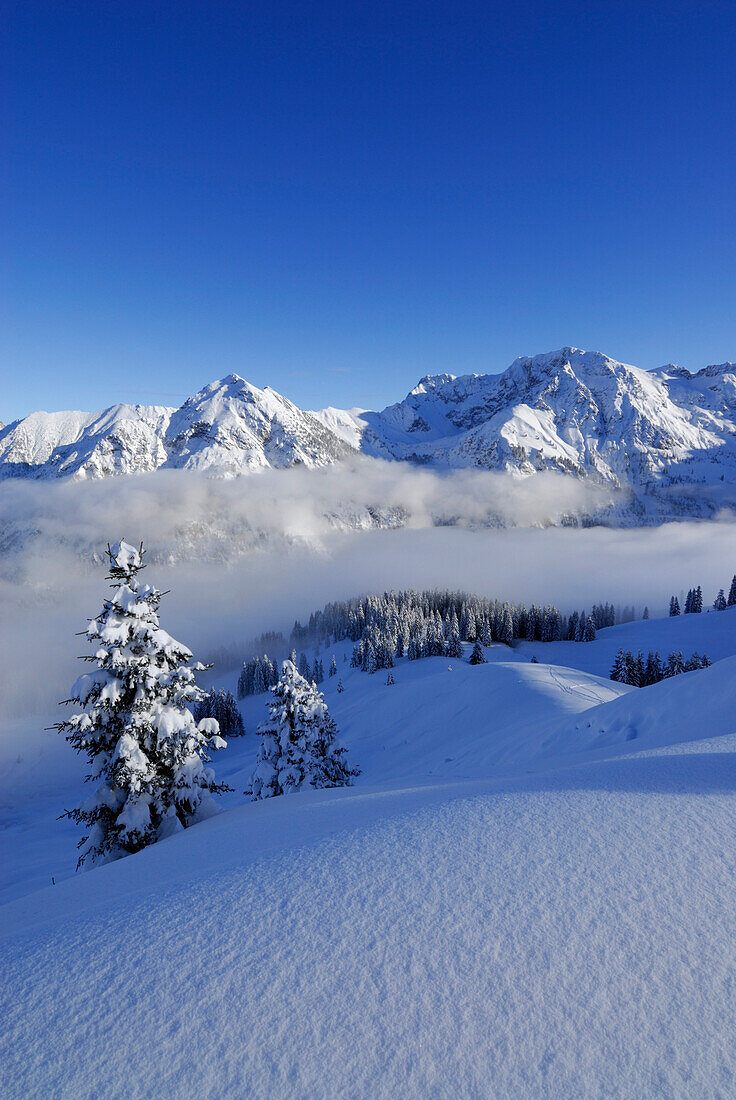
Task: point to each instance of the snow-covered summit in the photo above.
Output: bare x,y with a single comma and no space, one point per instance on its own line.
79,444
431,382
661,435
231,427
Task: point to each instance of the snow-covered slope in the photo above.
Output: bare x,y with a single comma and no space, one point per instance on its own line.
512,901
666,438
687,708
572,936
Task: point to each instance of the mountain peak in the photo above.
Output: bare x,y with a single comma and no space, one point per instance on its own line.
432,382
574,356
715,369
230,381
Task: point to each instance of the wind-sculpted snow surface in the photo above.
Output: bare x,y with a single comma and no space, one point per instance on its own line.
511,901
662,442
568,935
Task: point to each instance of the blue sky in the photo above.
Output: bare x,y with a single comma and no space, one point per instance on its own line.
335,199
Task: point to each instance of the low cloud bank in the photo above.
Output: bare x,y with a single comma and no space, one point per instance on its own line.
255,554
183,515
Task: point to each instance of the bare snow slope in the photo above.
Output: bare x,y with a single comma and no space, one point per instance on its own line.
566,935
666,438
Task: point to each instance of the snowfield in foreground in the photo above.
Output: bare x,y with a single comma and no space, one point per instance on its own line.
512,900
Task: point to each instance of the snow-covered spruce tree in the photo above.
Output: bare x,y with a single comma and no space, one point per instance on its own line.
299,743
732,593
653,672
674,665
477,657
454,646
145,749
618,669
631,674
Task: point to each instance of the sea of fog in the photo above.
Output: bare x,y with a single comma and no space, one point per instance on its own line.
250,555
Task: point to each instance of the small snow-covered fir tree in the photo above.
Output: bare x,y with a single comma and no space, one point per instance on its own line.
581,627
732,593
299,743
145,749
259,680
674,665
653,672
506,626
477,657
618,670
631,673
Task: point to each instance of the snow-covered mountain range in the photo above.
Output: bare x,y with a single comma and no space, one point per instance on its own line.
667,437
228,428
